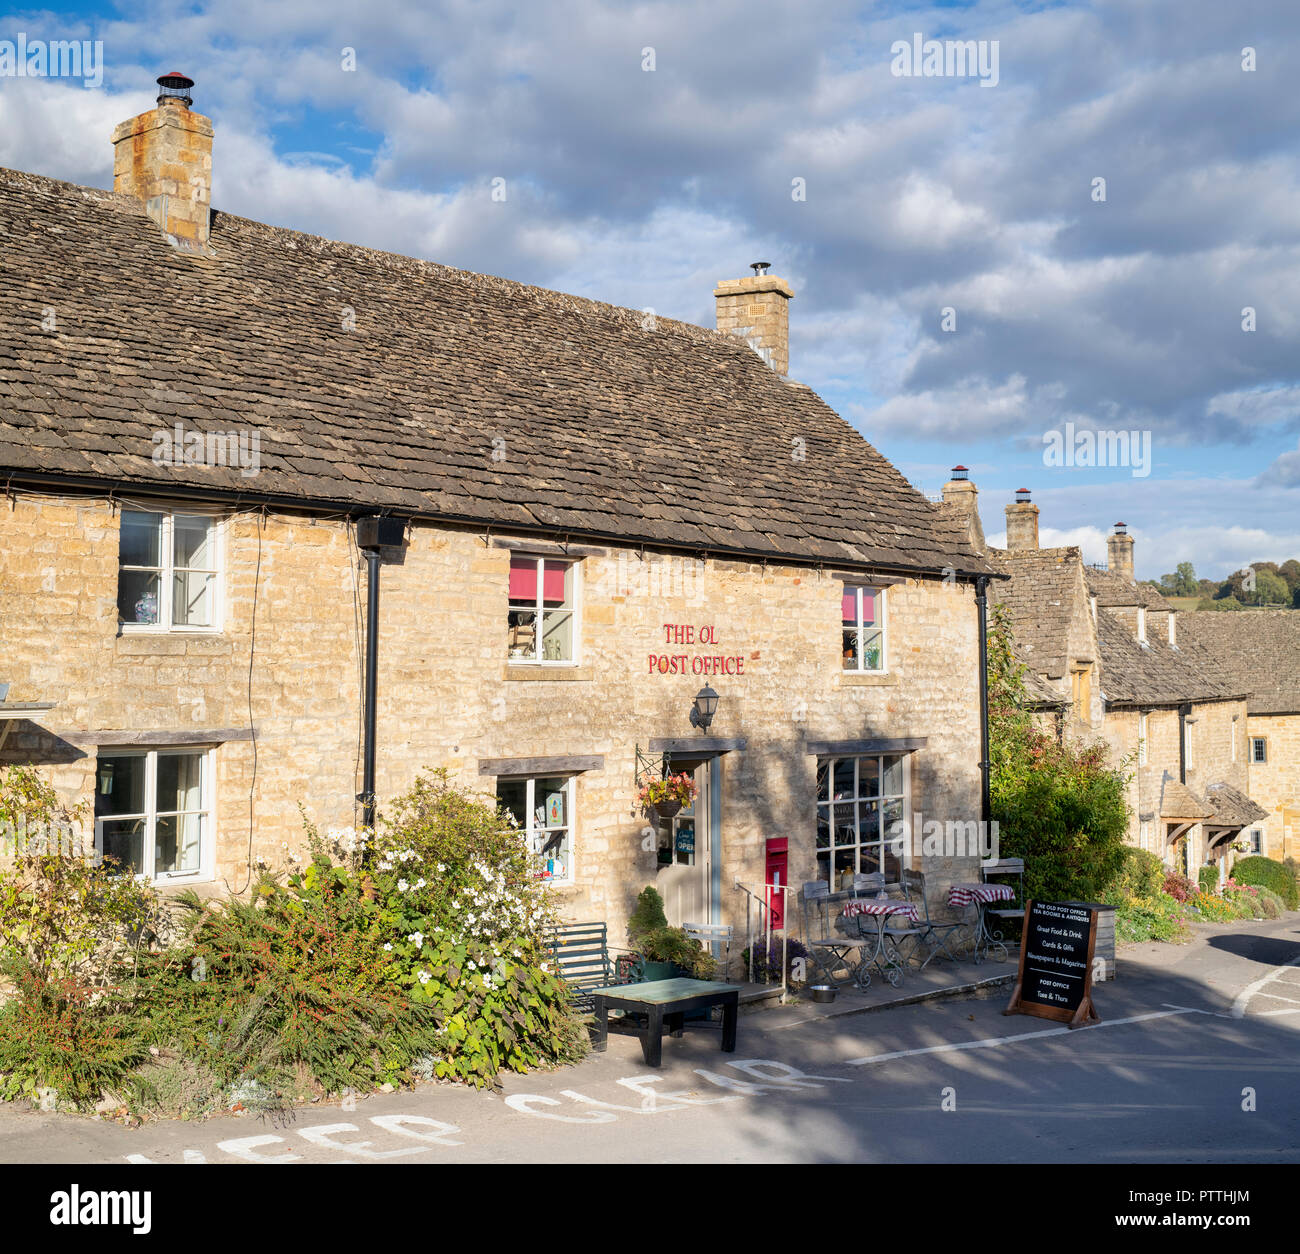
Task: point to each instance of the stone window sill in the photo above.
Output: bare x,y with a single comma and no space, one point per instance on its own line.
549,674
868,679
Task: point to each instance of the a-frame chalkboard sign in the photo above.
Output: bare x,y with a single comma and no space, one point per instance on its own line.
1055,976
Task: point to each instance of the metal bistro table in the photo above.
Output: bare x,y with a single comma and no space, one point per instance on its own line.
980,895
881,908
664,1004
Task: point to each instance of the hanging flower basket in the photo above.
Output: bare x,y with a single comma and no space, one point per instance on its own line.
665,797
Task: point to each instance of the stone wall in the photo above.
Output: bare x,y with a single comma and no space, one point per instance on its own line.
1213,761
1275,784
448,698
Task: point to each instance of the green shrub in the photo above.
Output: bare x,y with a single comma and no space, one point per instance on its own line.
649,933
71,934
57,1035
1208,879
1155,918
1060,806
1271,905
1141,875
647,915
1267,873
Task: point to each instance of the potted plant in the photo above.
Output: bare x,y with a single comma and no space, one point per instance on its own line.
666,952
667,795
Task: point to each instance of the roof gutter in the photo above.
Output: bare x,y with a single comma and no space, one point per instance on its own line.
355,509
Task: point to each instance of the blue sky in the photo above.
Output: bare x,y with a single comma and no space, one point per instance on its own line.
923,193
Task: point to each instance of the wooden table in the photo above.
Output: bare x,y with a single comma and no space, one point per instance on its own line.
665,1003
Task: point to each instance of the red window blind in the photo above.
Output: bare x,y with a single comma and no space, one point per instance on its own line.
523,581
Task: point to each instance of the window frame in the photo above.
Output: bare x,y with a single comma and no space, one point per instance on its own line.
1262,743
881,601
148,841
1256,842
1144,723
829,803
216,519
575,612
530,830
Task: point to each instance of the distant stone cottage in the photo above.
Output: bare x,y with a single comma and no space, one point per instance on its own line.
1106,659
597,515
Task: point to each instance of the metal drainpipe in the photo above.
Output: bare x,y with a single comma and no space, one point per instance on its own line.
1183,712
367,794
981,601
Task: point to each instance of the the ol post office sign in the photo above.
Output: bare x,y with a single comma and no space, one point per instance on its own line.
1055,976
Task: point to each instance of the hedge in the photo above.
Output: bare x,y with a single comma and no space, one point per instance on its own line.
1266,873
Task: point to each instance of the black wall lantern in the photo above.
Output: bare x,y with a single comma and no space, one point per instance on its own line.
706,704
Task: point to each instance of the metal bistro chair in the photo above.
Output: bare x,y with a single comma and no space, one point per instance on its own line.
713,936
1010,871
827,950
934,932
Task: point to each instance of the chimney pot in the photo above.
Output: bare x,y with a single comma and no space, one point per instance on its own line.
960,472
175,86
760,267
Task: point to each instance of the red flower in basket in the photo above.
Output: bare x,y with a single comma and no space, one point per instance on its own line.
666,796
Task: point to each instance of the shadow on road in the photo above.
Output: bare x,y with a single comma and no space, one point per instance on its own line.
1270,951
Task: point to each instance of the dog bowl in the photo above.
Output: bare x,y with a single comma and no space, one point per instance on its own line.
823,992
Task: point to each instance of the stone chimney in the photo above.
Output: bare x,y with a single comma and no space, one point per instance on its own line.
164,158
961,499
758,310
1022,523
1119,552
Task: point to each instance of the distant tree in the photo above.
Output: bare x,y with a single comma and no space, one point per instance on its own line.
1290,571
1219,603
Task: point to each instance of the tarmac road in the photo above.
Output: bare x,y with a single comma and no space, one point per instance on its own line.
1196,1060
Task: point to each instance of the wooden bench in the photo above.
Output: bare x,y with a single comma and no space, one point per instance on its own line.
582,958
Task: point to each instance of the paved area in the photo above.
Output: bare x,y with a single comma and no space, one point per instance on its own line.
1197,1059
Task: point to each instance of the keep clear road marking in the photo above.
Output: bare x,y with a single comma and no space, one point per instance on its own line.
1239,1006
992,1042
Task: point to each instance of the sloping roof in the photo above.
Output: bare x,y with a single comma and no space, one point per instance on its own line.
1041,694
1258,649
1177,801
1041,593
1231,807
671,435
1111,588
1156,674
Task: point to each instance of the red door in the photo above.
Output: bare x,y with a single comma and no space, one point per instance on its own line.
776,875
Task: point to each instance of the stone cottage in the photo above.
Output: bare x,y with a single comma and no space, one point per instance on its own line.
600,545
1260,651
1105,660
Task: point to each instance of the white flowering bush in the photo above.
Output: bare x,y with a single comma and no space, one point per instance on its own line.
462,919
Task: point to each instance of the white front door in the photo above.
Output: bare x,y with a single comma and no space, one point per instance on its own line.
685,857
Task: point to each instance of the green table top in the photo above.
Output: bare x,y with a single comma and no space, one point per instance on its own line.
659,991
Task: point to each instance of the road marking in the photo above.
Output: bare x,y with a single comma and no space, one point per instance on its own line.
1243,998
994,1041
